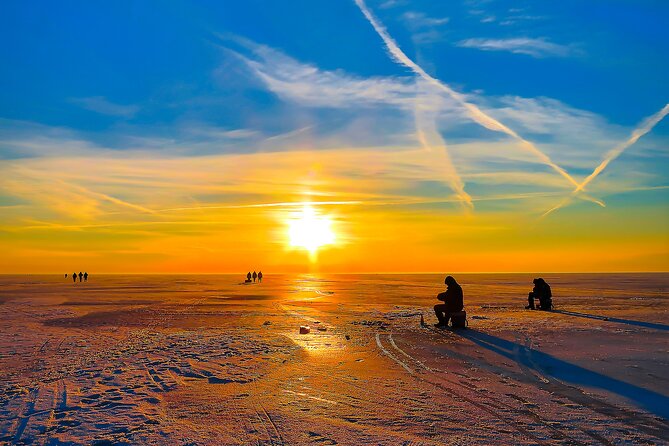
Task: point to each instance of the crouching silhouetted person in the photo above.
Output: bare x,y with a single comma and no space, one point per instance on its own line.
453,302
542,293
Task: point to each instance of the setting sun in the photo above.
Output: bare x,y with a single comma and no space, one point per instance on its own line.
309,230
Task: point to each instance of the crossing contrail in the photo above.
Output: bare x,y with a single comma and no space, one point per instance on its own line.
614,153
473,111
430,139
645,127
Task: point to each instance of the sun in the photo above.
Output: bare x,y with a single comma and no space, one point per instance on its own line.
310,231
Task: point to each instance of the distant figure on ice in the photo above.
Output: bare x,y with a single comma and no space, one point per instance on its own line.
453,303
255,276
74,277
81,276
248,277
66,275
86,277
542,292
259,276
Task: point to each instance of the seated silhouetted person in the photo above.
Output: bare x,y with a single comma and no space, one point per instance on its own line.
541,292
453,302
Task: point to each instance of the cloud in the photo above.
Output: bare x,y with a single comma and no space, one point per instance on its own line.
100,104
519,18
308,85
387,4
20,139
535,47
567,129
425,29
417,20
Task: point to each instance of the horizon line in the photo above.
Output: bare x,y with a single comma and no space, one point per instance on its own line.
336,273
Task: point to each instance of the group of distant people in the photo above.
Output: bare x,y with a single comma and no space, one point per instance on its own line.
83,277
453,298
254,276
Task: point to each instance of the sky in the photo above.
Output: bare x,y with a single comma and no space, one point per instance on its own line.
460,136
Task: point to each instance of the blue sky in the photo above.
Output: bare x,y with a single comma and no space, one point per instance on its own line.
607,57
181,82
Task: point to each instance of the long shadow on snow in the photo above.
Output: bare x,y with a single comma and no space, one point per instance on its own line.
652,325
564,371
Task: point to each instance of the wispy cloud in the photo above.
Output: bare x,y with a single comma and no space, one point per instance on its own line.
100,104
308,85
535,47
28,139
425,29
515,19
387,4
415,20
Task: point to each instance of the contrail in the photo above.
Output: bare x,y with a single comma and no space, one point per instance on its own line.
430,139
263,205
109,198
614,153
473,111
646,127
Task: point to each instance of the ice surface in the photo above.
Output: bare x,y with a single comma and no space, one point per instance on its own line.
205,360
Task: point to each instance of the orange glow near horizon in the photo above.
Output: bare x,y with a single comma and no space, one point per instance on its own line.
235,212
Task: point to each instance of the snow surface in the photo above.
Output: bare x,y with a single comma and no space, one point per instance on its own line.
201,360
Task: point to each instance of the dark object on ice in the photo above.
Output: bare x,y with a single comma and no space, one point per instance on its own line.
255,276
66,275
453,303
380,324
259,276
81,276
459,319
348,338
542,292
267,323
248,276
74,277
85,277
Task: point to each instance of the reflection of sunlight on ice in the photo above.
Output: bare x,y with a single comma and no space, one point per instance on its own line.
307,290
318,343
310,288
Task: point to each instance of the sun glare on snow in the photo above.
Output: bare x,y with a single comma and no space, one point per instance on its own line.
310,231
